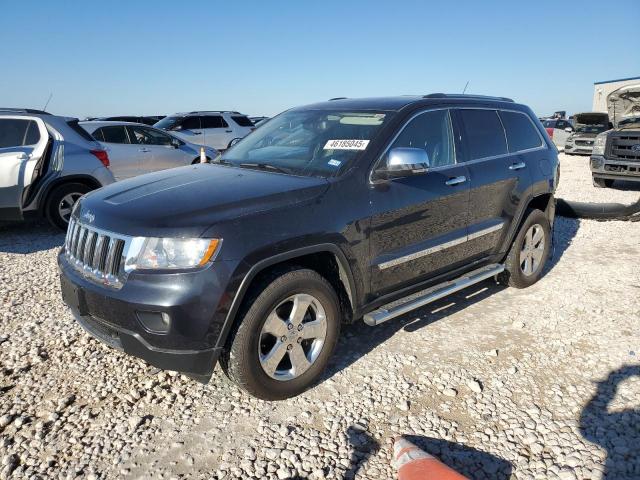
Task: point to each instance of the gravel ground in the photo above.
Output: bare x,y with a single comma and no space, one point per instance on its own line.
499,383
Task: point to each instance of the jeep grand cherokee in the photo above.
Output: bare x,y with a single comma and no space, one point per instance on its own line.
343,210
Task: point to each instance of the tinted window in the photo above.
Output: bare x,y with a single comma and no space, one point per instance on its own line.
214,122
430,131
242,121
148,136
484,133
18,132
192,123
562,124
168,123
112,134
549,124
521,134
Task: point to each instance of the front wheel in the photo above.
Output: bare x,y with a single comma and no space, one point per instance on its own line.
285,337
529,252
61,201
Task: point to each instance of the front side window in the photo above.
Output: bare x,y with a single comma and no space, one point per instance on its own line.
549,124
214,121
484,133
112,134
521,134
148,136
192,123
431,132
15,132
307,142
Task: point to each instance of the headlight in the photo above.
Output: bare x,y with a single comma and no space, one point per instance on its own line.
169,253
599,144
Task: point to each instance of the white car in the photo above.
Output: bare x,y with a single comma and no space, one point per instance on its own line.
216,129
135,149
559,130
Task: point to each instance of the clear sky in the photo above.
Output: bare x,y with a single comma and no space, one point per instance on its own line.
261,57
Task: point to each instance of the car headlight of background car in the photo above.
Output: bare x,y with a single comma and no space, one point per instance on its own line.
599,144
169,253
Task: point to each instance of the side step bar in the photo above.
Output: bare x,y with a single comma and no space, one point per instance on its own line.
417,300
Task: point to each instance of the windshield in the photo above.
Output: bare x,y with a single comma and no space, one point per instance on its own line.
167,123
307,142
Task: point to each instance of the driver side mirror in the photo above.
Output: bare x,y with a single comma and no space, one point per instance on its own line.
568,129
175,143
403,162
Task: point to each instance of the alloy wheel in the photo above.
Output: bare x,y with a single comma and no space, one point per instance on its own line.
532,250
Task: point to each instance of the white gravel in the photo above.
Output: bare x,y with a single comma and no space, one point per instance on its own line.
499,383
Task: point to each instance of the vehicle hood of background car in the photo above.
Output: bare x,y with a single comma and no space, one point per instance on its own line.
186,201
624,103
589,125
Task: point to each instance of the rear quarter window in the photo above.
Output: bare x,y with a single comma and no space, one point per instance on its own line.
242,121
73,125
521,134
484,133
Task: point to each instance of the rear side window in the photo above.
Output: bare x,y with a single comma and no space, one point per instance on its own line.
521,134
18,133
242,121
484,133
112,134
73,125
214,122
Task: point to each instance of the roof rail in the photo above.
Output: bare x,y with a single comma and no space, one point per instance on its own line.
23,110
463,95
216,111
337,98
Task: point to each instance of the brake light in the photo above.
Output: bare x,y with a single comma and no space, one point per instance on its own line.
102,156
549,131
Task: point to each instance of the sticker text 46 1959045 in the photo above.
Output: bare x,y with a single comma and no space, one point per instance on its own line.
346,145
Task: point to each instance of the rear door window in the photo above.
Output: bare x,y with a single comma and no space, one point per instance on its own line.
112,134
483,133
214,121
17,132
242,121
521,134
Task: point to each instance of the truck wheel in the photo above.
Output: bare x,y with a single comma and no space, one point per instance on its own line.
285,337
602,182
529,252
61,202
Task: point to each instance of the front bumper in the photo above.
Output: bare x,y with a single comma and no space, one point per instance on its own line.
193,303
577,149
601,167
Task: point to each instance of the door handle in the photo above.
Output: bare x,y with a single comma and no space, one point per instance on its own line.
229,131
517,166
144,149
22,156
197,133
456,180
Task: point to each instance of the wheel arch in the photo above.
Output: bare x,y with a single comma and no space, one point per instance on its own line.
86,180
544,202
326,259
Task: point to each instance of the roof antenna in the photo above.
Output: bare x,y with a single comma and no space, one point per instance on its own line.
48,100
465,87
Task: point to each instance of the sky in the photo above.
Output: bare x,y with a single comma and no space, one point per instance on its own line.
262,57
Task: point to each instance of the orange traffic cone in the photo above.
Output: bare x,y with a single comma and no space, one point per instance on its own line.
416,464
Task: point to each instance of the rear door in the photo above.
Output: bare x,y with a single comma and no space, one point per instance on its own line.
125,157
163,154
419,223
217,132
498,176
191,130
23,143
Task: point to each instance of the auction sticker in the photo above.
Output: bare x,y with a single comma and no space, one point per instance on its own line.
346,145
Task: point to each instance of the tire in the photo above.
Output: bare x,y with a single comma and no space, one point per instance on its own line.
244,359
58,202
602,182
516,274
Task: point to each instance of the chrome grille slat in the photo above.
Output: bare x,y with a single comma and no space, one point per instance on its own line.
98,255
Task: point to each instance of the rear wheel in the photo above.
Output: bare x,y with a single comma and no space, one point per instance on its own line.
602,182
529,252
285,337
61,201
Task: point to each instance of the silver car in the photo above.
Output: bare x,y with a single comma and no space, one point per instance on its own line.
47,163
135,148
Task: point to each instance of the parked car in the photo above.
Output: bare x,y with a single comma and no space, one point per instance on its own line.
586,127
47,163
147,120
558,130
135,149
216,129
329,213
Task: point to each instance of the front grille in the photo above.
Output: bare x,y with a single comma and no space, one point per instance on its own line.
622,147
97,254
585,143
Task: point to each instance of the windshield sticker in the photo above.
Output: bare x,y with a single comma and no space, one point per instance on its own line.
334,163
346,145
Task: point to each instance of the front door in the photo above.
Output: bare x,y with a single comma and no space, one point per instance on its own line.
419,223
163,153
23,142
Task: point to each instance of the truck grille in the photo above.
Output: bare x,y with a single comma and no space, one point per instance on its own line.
97,254
621,147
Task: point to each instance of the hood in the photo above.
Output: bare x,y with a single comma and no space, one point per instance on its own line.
186,201
590,124
624,103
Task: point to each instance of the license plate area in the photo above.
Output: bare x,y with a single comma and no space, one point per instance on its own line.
72,296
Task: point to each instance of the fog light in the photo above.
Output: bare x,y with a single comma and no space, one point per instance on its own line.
597,163
154,322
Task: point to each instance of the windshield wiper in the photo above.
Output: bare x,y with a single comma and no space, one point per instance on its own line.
264,166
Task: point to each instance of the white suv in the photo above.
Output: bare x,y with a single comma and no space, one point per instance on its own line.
216,129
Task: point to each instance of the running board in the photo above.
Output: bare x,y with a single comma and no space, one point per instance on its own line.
417,300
